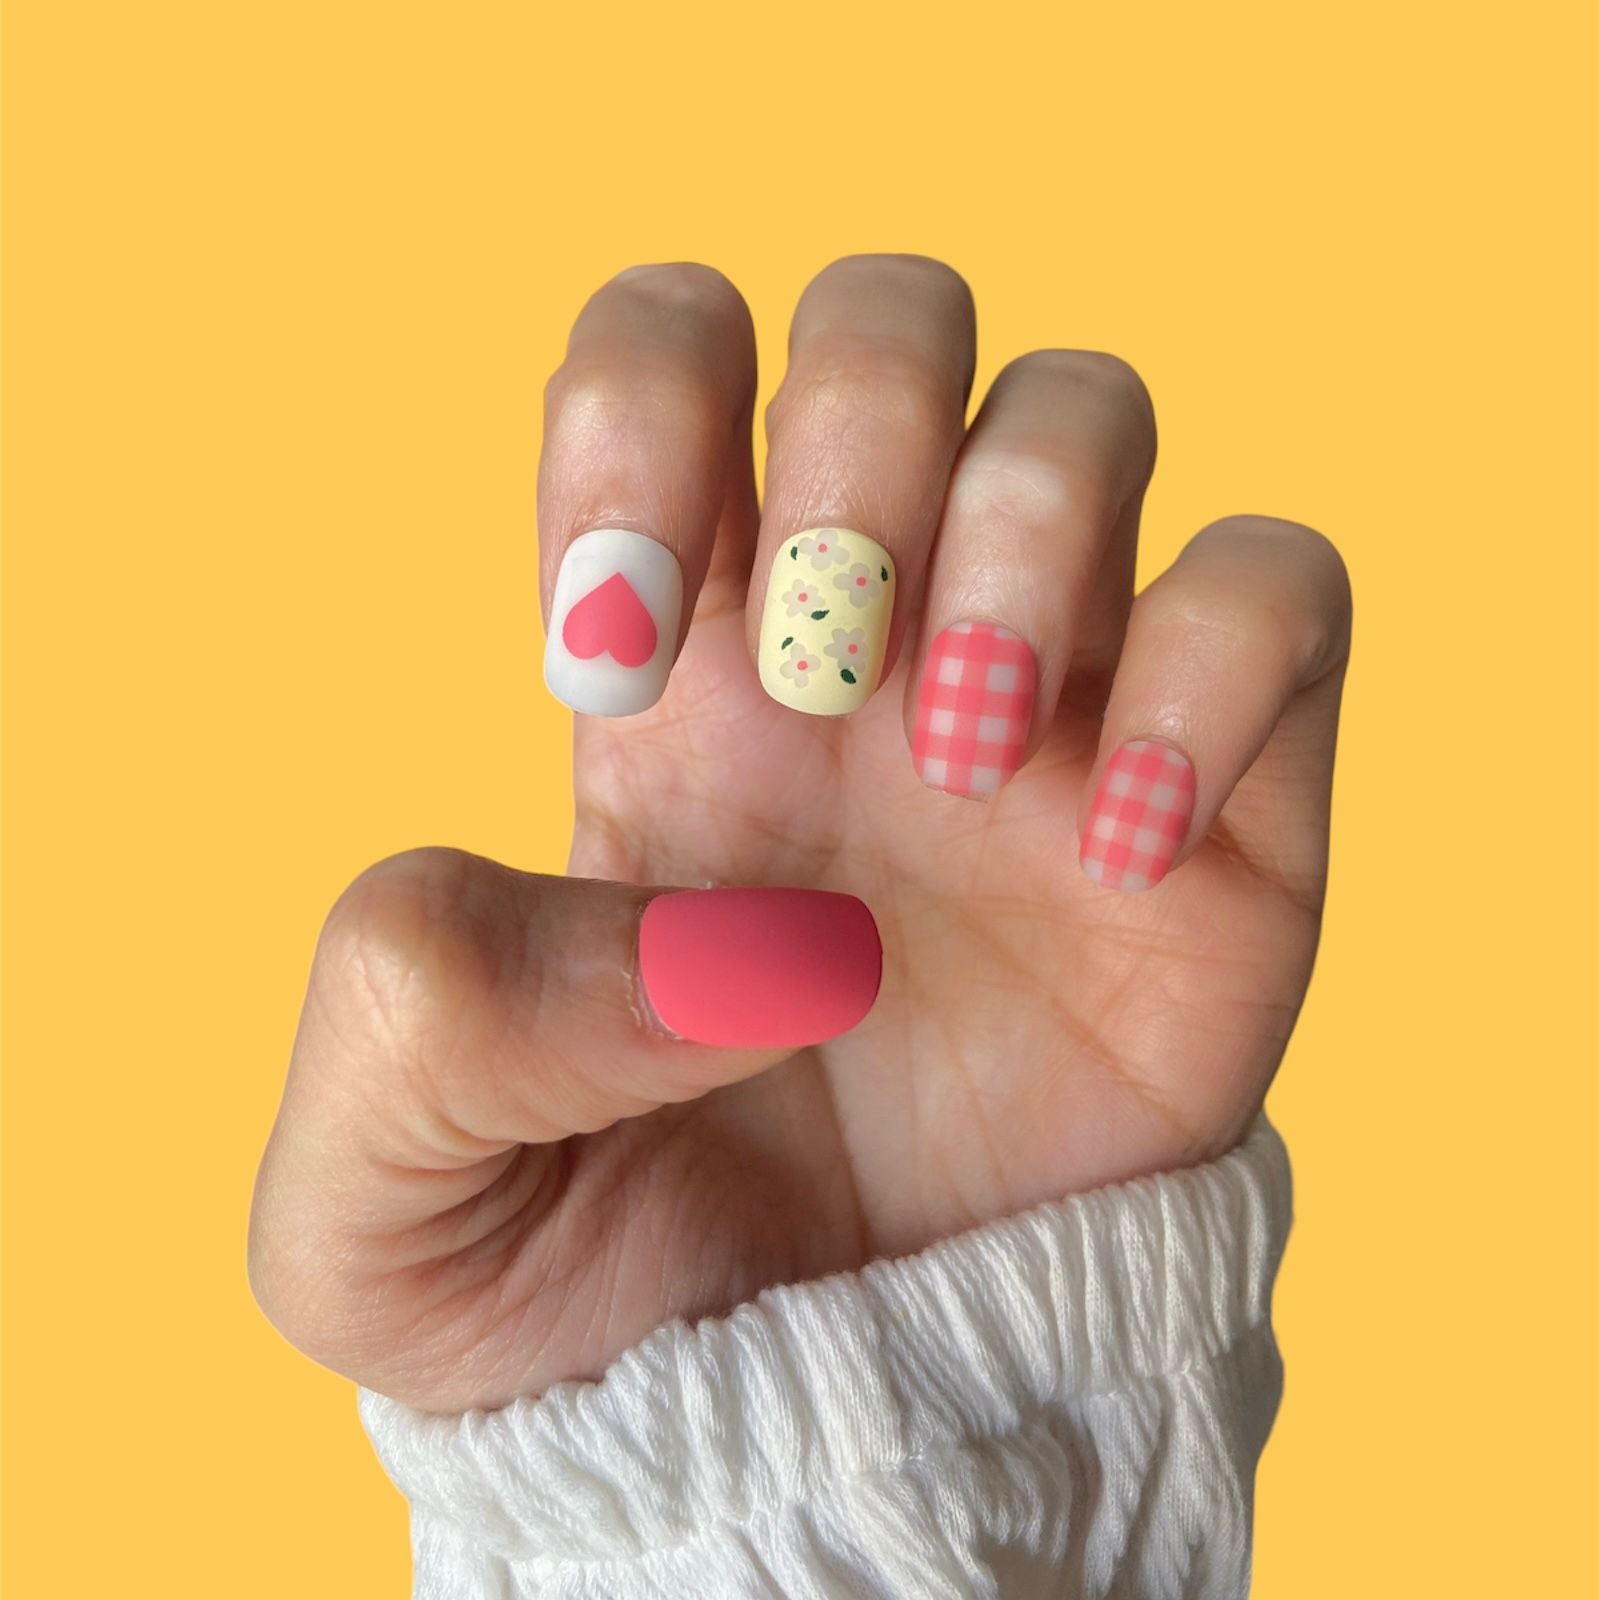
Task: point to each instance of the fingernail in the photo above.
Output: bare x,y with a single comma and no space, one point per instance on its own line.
974,708
759,969
613,623
826,621
1140,816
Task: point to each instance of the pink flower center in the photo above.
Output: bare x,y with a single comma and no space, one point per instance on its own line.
822,549
861,583
853,649
801,664
804,597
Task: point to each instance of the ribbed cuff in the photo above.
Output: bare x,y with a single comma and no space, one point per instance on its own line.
744,1417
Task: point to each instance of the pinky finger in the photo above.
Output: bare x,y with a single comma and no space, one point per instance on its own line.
1227,693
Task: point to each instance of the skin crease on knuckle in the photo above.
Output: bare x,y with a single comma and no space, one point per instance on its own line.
1093,368
909,275
1048,383
1295,590
1118,389
901,391
686,288
1033,485
438,965
598,406
413,966
390,943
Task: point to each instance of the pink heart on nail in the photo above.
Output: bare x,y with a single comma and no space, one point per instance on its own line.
611,619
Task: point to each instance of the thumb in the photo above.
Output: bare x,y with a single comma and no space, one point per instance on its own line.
457,1008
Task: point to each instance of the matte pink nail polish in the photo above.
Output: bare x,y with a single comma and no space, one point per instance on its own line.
974,709
759,969
1140,816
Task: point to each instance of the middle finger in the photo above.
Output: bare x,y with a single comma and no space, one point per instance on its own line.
862,435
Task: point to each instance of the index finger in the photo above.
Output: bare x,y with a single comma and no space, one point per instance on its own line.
646,456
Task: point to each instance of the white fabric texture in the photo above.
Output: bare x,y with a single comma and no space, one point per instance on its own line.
1066,1403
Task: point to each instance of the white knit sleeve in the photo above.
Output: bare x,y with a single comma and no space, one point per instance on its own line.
1066,1403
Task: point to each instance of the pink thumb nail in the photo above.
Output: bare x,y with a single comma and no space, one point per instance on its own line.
759,969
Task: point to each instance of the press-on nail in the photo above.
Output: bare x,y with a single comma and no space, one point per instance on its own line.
825,624
759,969
1140,816
613,623
974,706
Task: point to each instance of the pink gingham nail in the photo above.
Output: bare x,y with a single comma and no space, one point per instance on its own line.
1140,816
973,709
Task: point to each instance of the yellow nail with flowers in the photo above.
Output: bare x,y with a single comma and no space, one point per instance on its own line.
826,621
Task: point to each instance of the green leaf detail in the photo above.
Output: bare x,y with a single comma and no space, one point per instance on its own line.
817,616
847,675
787,642
884,572
794,552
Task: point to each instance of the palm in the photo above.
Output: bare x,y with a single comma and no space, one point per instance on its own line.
1034,1035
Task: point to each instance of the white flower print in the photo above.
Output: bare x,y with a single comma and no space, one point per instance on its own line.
803,596
824,549
859,583
849,647
800,668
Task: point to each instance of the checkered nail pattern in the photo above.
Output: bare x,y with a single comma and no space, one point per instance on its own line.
973,709
1140,816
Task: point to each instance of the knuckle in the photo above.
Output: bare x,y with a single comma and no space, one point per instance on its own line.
575,388
862,381
1249,527
686,285
1065,389
1225,625
1093,368
926,273
1312,558
404,946
1111,372
413,987
1298,615
1280,632
1032,487
1318,553
598,400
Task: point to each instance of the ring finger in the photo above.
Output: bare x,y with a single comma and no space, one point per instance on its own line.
1033,571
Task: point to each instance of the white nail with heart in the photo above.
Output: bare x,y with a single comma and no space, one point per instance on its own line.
613,623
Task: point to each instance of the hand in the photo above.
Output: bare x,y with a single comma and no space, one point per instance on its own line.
493,1169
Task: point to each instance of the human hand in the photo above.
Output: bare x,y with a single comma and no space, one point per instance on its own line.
494,1169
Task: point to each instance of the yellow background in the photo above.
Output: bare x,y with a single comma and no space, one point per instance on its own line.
283,283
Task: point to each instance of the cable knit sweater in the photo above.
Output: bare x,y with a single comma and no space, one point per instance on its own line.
1066,1403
